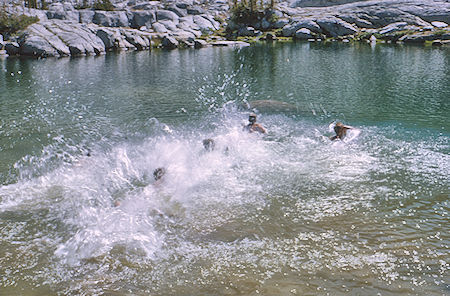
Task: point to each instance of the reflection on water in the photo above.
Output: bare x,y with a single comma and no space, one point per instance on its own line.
286,213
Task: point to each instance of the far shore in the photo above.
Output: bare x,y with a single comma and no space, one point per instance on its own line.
63,29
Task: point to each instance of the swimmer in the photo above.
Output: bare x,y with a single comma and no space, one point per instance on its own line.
159,173
209,144
340,130
157,176
253,126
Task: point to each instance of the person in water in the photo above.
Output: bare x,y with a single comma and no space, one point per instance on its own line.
341,131
253,126
157,176
159,173
209,144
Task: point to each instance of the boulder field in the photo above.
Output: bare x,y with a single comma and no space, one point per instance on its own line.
64,30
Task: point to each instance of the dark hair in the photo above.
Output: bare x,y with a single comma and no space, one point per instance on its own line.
209,144
159,173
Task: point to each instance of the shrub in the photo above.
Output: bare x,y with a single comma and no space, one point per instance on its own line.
11,23
103,5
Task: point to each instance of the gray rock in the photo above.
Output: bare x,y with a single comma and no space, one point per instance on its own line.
184,4
86,16
169,42
417,38
37,46
247,31
167,15
335,27
289,30
12,48
41,30
181,12
303,34
142,18
270,37
170,26
211,19
111,18
393,27
107,37
136,39
265,24
195,10
184,36
199,43
2,43
439,24
78,37
280,23
159,28
205,25
230,43
41,14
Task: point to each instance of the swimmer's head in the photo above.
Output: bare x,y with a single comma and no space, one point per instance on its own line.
252,118
209,144
159,173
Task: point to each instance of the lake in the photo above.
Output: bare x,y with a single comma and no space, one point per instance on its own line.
285,213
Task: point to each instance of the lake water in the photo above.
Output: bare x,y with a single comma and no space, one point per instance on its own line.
287,213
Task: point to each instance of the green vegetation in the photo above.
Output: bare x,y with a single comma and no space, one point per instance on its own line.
248,12
83,5
10,23
103,5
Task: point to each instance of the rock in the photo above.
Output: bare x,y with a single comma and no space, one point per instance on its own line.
2,43
417,38
230,43
393,27
86,16
303,34
437,43
199,43
159,28
42,31
195,10
181,12
270,37
170,26
184,4
142,18
205,25
136,39
187,37
108,38
355,19
289,30
167,15
37,46
280,23
169,42
77,37
211,19
247,31
12,48
265,24
335,27
111,18
373,39
439,24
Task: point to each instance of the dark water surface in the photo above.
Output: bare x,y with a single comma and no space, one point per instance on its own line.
282,214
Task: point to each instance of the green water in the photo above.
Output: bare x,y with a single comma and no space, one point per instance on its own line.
282,214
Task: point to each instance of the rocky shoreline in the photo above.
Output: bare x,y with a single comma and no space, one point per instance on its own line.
63,30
